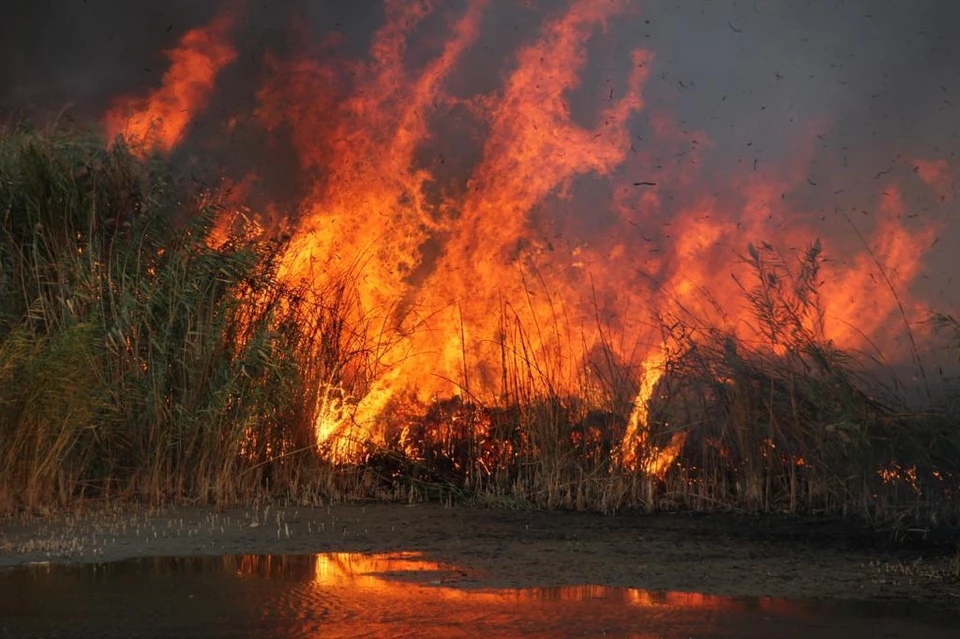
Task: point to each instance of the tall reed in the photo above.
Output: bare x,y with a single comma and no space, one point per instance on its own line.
149,350
141,352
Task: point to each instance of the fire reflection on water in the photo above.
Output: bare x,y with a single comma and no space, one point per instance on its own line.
395,595
395,577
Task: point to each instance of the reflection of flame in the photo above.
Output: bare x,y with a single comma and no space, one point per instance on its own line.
340,569
397,577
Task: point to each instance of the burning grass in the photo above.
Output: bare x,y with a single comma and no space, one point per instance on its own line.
150,349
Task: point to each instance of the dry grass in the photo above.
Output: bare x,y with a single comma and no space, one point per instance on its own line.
138,358
142,360
787,425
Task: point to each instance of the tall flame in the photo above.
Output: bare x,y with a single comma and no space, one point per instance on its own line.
159,121
555,233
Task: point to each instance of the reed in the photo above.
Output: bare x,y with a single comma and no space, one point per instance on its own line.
143,354
786,423
149,351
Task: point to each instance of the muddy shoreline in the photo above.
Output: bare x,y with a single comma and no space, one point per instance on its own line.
715,554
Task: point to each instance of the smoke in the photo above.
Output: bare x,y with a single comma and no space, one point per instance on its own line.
883,74
737,69
84,52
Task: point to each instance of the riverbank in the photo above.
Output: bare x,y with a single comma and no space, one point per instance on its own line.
716,554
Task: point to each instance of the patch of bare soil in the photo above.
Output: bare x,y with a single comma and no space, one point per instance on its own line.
713,554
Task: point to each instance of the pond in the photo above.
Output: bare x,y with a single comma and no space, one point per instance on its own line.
397,595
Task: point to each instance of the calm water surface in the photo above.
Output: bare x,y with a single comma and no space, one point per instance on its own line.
397,595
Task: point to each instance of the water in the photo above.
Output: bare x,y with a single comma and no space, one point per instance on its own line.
396,595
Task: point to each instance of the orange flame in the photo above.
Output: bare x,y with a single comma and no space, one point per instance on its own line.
377,210
159,121
464,273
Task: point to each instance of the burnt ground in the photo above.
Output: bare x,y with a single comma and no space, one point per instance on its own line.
718,554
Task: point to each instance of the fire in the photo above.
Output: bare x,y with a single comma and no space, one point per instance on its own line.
159,121
637,434
895,251
500,278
